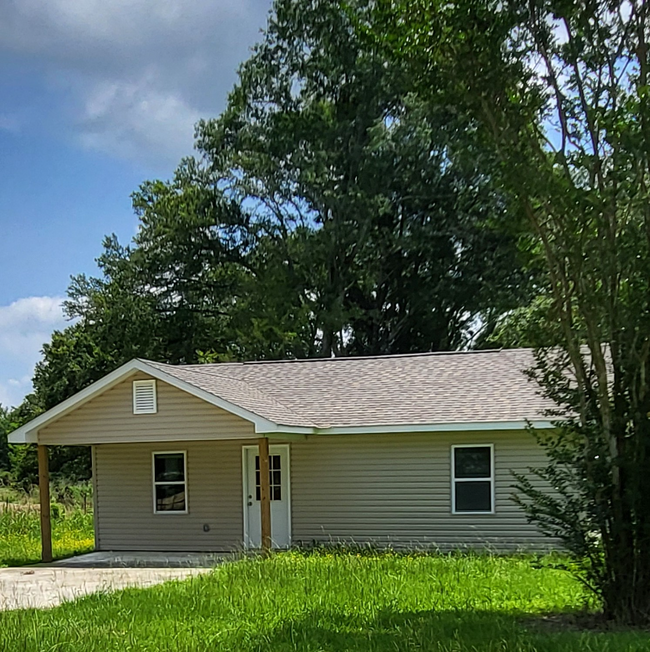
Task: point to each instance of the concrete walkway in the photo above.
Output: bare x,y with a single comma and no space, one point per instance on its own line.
43,586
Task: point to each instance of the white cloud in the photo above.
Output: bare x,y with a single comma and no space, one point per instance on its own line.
136,73
25,325
133,120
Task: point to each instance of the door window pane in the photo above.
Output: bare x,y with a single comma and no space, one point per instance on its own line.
275,477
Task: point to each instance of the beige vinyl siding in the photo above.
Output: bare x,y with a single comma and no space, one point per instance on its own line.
124,498
382,489
109,418
396,489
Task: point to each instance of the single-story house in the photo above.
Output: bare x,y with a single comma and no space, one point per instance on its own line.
401,450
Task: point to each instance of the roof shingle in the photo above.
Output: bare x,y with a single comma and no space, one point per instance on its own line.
435,388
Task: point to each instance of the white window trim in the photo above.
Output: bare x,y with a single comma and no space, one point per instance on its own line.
177,482
454,480
141,383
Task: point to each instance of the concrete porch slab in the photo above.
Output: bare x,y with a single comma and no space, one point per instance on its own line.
137,559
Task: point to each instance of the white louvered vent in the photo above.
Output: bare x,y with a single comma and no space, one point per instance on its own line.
144,397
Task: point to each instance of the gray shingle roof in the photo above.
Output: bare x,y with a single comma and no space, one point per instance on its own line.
436,388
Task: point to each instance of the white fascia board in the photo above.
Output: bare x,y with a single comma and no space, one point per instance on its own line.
20,437
274,429
28,434
478,426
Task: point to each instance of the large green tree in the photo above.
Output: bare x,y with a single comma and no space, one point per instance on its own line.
323,132
559,92
328,211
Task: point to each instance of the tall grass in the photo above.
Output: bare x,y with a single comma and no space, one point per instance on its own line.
20,542
330,602
69,496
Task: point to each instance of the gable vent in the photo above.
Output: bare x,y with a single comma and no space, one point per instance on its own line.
144,397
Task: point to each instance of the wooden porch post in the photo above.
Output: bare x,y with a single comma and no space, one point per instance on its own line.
44,497
265,495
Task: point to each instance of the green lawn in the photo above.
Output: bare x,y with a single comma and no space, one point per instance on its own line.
324,602
20,543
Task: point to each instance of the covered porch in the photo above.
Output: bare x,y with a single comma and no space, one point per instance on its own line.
217,476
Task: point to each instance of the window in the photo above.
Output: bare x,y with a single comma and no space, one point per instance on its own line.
144,397
472,479
170,483
275,477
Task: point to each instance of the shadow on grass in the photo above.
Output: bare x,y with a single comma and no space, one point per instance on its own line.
35,560
440,631
12,562
99,623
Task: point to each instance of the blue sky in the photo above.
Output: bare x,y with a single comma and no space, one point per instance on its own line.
95,97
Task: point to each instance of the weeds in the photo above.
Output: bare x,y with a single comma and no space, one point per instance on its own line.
72,525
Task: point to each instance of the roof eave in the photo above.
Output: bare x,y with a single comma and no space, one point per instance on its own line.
476,426
28,433
457,426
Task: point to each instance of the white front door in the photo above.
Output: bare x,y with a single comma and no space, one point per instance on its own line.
280,497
